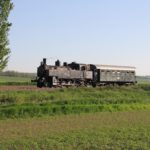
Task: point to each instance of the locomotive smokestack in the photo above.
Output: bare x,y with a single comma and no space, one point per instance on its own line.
57,63
44,61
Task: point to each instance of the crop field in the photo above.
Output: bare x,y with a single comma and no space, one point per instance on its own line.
102,118
105,130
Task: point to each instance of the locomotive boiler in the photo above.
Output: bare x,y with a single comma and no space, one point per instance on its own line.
76,74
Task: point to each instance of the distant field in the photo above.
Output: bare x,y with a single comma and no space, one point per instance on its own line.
144,82
9,80
143,79
14,79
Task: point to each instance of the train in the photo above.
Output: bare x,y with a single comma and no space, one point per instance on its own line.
78,74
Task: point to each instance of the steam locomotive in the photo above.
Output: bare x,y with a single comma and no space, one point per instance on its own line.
75,74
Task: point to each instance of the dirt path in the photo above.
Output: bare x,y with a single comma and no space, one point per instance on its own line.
22,88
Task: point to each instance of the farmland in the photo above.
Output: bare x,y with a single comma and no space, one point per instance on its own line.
74,118
14,80
6,79
106,130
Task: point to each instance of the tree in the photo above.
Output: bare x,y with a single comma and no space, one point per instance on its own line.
5,8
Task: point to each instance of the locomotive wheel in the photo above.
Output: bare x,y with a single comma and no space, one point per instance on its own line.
94,84
39,84
49,84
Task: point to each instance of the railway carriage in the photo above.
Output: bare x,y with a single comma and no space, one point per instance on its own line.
108,74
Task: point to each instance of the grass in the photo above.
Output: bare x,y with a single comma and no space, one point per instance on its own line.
104,118
105,130
14,79
24,111
10,80
103,95
16,104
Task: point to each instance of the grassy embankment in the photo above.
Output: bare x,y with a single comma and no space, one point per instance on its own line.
18,104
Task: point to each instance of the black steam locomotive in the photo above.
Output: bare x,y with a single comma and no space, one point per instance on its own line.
75,74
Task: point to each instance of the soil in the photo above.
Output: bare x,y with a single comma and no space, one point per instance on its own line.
23,88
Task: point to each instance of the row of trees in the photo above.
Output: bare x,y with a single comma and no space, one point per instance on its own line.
5,7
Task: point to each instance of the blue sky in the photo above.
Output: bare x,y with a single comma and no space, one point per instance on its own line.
115,32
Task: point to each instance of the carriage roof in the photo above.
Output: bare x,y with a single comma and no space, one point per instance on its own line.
112,67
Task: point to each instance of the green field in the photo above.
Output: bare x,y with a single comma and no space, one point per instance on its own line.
11,80
14,79
102,118
18,104
97,131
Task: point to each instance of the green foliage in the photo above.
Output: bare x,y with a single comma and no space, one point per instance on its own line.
16,104
73,96
34,110
5,8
